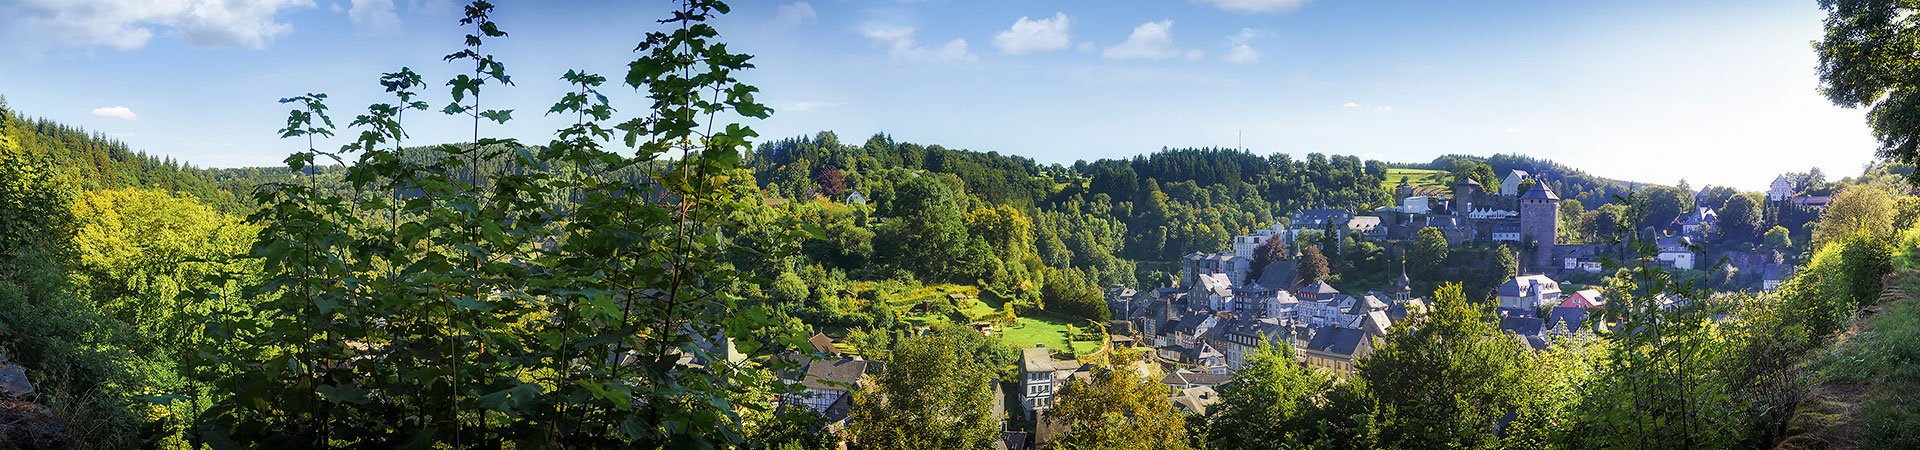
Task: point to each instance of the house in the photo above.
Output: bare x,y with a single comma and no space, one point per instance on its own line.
1238,339
1676,252
1335,349
1813,202
1774,276
1583,299
1183,379
1317,291
854,197
1039,377
1214,290
827,385
1506,231
1565,321
1511,184
823,344
1699,222
1194,400
1780,190
1527,293
1578,257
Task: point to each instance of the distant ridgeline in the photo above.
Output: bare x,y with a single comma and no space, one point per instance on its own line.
1568,182
86,160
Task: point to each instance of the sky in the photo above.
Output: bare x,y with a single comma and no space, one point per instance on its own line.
1719,92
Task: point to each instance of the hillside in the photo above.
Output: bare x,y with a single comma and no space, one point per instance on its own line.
86,160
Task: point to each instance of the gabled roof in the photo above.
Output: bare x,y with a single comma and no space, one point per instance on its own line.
823,344
835,375
1186,378
1319,287
1036,359
1524,326
1341,341
1523,286
1540,191
1588,298
1569,319
1365,304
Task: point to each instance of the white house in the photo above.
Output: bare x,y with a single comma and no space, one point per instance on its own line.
1780,190
1528,292
1676,252
1511,185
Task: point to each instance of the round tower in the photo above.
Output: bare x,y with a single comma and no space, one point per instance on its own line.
1540,220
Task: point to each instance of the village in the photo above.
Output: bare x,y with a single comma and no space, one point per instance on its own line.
1196,333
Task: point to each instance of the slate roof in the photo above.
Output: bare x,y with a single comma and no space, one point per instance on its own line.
1195,379
1319,288
836,375
1540,191
1036,359
1365,304
1521,325
1571,318
1524,286
1217,284
1341,341
1196,399
823,344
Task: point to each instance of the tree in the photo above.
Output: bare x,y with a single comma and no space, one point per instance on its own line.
832,182
1663,205
1117,410
935,394
1428,256
1311,267
930,236
1867,61
460,315
1777,238
1269,405
1740,218
1858,209
1445,379
1571,214
1268,252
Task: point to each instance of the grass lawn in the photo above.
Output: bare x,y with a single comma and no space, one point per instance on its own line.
1045,330
1417,177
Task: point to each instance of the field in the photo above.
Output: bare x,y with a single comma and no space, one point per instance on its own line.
1050,331
1419,178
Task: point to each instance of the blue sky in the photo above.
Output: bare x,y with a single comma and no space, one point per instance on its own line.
1713,92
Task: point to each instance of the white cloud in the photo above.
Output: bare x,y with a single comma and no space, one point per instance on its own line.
1085,47
1246,35
1350,105
130,24
1243,54
374,17
1257,6
901,47
117,112
1384,108
1033,36
1151,40
795,13
1195,54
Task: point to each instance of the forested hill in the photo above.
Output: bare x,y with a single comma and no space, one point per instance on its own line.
85,160
1568,182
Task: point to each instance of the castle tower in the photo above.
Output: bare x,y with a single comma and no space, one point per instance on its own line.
1402,191
1464,194
1540,220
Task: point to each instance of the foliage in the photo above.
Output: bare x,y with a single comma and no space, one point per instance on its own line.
1266,253
1428,257
1311,266
79,362
1272,403
1445,379
935,394
1858,209
443,303
1867,60
1117,410
1777,238
1741,219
